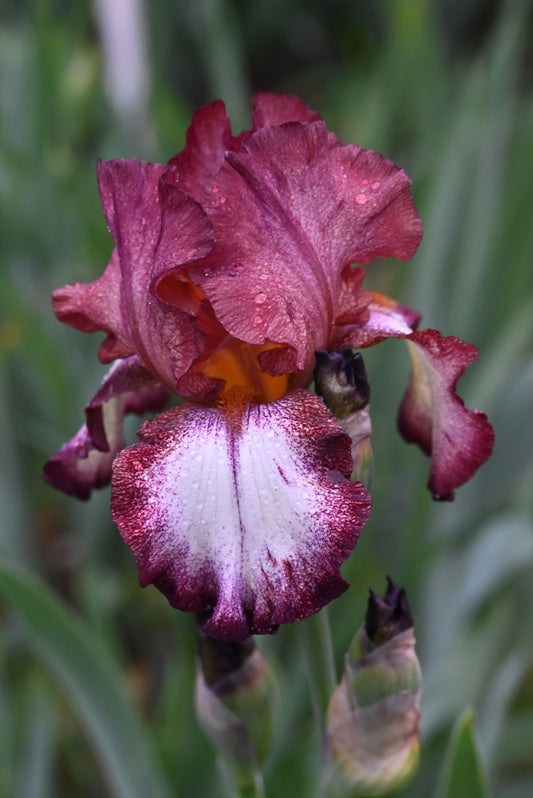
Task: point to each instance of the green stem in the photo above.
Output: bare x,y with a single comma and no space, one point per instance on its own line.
252,789
255,790
320,662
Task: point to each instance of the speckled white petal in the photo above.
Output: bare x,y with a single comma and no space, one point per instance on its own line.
245,515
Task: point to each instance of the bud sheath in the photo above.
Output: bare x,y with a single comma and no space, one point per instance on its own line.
373,715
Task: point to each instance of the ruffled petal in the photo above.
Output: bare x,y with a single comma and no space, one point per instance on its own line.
78,466
289,213
155,227
209,138
276,109
246,514
97,306
84,462
195,168
434,416
379,318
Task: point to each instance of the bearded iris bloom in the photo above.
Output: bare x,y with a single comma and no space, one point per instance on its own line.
232,265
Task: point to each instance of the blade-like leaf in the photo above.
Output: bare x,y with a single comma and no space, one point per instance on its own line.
91,681
463,776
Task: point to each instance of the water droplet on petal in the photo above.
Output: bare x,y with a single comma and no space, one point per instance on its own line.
376,184
364,181
361,199
260,298
258,320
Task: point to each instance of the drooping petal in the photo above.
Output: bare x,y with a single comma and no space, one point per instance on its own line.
84,462
78,466
434,416
245,513
155,227
289,213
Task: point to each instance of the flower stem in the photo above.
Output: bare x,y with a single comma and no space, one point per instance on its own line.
255,790
320,662
232,789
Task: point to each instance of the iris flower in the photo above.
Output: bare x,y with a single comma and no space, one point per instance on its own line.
232,265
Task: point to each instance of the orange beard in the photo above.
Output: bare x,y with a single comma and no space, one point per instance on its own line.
224,357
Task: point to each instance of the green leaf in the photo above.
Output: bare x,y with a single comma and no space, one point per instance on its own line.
464,776
92,682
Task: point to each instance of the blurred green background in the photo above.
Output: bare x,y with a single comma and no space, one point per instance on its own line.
96,689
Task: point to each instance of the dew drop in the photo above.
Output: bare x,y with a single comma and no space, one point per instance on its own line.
260,298
361,199
364,181
258,320
376,184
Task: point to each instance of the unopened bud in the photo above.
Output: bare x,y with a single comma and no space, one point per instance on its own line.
372,723
235,700
341,380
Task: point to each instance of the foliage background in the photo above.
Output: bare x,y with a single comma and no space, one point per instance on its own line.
97,699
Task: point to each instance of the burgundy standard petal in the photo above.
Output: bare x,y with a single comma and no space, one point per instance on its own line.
434,416
84,462
276,109
155,227
289,213
209,138
195,168
254,540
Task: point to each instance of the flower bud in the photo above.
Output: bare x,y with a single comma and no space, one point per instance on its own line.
341,380
372,722
235,697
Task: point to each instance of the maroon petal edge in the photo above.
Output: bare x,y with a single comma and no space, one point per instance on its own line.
433,416
84,462
246,516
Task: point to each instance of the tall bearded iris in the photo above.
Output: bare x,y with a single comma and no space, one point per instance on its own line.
232,265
